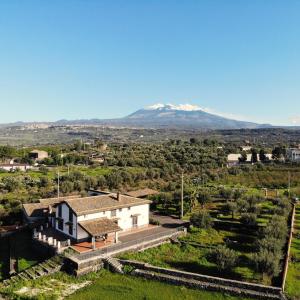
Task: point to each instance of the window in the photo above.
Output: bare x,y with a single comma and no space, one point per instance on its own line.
59,211
134,221
113,213
70,216
120,209
129,208
71,229
61,224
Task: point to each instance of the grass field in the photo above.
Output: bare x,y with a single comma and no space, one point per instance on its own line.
193,258
272,177
193,255
112,286
293,277
52,172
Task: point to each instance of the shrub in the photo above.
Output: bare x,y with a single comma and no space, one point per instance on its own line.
201,219
203,197
249,219
267,262
224,258
154,222
231,207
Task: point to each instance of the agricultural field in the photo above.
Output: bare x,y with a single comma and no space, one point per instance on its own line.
105,285
293,276
269,176
239,231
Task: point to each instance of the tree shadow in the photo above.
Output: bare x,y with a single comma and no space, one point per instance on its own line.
194,267
241,243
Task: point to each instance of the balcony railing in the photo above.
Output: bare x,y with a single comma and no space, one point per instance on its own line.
119,247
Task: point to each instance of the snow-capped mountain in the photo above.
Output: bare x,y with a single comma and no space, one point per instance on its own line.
184,115
185,107
159,116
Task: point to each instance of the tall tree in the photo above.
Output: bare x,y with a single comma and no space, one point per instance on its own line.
254,158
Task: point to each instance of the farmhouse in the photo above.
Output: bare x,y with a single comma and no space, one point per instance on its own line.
98,217
38,155
293,154
233,159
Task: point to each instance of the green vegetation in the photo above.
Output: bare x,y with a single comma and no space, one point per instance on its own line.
194,254
231,216
19,246
292,287
105,285
239,247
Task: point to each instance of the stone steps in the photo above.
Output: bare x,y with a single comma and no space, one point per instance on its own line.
114,264
207,285
45,268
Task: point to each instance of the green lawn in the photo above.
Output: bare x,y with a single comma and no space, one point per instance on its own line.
105,285
292,287
193,258
114,286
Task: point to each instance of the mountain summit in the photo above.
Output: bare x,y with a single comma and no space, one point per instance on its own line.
183,115
185,107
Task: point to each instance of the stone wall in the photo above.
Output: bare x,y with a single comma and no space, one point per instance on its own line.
288,247
204,281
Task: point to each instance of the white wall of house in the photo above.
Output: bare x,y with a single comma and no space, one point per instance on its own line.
81,233
124,216
12,167
293,154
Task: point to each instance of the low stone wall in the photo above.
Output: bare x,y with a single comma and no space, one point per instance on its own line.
74,268
222,283
287,256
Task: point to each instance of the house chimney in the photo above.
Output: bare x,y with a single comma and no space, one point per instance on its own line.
119,196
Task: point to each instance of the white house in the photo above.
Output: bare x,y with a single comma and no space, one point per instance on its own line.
11,167
38,155
293,154
233,159
101,216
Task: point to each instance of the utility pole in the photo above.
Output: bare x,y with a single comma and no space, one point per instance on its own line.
58,184
289,184
181,215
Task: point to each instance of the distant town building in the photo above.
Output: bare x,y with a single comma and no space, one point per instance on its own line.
38,155
245,148
97,160
293,154
234,159
11,167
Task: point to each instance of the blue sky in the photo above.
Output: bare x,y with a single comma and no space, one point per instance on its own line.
103,59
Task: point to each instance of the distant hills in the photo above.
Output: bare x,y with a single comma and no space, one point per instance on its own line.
159,116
